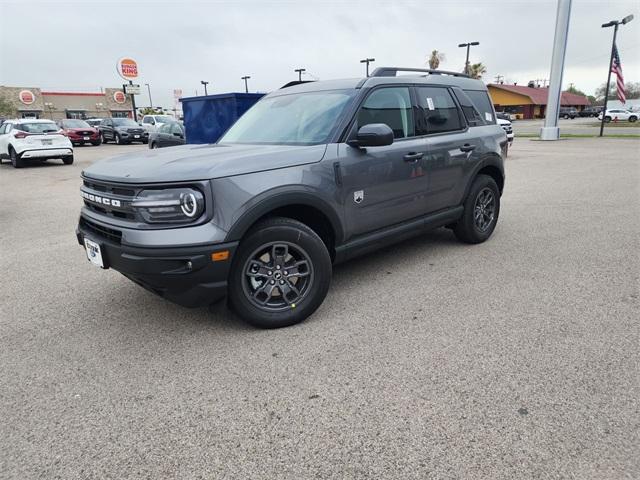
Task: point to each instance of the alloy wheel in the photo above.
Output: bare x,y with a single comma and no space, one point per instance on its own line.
484,211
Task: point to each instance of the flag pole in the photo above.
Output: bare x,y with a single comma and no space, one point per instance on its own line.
606,91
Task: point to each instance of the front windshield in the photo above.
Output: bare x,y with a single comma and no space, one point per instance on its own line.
296,119
73,123
124,122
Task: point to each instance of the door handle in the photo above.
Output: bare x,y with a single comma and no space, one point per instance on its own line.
467,148
413,156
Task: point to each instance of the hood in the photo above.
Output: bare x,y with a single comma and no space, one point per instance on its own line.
201,162
503,122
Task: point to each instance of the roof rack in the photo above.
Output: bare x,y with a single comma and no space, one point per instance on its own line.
392,72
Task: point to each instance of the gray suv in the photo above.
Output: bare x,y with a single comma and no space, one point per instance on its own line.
312,175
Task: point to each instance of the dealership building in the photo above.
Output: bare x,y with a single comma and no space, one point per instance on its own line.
33,102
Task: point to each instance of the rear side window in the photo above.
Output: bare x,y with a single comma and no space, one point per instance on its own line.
391,106
470,111
481,100
437,112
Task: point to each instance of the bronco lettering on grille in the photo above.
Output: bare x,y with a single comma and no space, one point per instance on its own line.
101,200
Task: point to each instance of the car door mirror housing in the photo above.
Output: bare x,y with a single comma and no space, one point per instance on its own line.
372,135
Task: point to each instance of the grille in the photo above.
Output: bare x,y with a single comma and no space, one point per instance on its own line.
123,194
135,130
109,233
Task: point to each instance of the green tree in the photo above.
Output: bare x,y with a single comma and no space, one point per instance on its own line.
575,90
149,111
6,108
435,59
476,70
631,90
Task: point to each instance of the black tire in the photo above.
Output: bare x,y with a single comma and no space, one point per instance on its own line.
119,140
16,161
103,139
67,160
153,145
633,119
467,229
566,117
286,238
607,119
96,143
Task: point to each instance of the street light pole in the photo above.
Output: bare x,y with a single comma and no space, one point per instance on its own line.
615,24
468,46
149,90
246,85
367,61
205,86
300,71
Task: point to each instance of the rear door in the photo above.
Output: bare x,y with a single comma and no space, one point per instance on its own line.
384,185
451,145
4,136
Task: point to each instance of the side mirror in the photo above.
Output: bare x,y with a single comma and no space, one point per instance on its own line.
372,135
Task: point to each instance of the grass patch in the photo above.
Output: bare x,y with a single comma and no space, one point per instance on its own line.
621,124
582,135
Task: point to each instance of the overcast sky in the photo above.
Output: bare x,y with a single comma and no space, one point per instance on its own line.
74,46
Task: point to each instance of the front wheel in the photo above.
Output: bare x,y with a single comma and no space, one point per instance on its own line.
103,139
119,140
633,119
280,275
607,119
481,210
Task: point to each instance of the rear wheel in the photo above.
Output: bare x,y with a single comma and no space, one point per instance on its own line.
607,119
633,118
280,275
481,210
68,160
16,161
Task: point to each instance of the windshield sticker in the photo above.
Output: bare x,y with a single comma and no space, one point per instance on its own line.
488,117
430,103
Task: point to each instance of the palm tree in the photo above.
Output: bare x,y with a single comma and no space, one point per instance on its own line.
435,59
476,70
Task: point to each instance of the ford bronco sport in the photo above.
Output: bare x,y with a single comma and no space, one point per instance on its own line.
310,176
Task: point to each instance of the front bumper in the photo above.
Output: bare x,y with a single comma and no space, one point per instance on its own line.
185,275
43,153
131,137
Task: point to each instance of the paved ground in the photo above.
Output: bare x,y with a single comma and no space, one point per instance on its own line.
582,126
515,359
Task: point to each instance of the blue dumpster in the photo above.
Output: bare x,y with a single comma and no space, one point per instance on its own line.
206,118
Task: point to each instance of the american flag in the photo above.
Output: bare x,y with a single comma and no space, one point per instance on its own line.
616,67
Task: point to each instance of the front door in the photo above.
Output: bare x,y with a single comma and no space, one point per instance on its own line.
384,185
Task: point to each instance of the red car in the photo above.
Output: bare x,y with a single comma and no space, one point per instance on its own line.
79,131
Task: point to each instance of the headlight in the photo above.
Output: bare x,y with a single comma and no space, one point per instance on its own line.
171,205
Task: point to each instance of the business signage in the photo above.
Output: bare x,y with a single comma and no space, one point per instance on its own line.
119,97
27,97
127,68
132,89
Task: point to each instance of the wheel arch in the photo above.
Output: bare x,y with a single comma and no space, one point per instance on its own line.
492,166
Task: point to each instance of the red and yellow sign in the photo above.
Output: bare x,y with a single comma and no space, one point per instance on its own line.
127,68
27,97
119,97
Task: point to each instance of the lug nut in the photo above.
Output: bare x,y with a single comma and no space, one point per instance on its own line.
277,267
273,282
281,282
286,273
269,272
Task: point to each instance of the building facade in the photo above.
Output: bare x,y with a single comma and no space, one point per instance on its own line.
33,102
529,102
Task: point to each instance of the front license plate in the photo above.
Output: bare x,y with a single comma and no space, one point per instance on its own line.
47,141
136,136
86,138
93,252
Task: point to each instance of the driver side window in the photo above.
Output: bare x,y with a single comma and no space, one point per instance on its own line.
391,106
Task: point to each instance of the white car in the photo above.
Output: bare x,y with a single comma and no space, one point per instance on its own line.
507,127
617,114
151,123
32,139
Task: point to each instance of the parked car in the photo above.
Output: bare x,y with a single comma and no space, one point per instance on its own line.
568,112
30,139
168,135
617,114
507,127
122,131
310,176
94,122
590,112
79,131
153,122
506,116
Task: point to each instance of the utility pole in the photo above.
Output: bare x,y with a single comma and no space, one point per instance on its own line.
367,61
466,63
300,71
499,78
205,86
551,131
133,102
149,90
246,85
615,24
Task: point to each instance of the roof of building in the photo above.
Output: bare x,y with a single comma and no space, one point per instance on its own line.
539,95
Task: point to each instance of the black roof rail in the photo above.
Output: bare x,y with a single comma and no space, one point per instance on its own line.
392,72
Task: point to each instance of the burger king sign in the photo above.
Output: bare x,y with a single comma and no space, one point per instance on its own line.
119,97
27,97
127,68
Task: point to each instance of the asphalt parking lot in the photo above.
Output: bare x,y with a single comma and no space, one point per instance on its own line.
514,359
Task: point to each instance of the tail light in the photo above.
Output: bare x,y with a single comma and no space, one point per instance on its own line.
21,134
62,132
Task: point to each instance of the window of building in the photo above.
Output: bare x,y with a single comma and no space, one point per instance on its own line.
391,106
121,114
437,112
